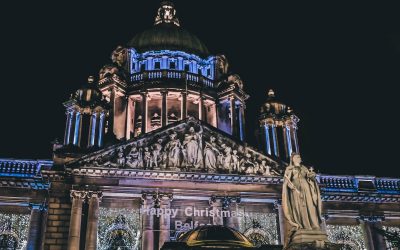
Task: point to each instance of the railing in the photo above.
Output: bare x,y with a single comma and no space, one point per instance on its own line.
390,185
22,168
353,183
339,182
170,74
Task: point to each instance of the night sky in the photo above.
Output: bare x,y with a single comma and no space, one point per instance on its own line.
335,64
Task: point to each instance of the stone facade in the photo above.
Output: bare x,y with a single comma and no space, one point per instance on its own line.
156,146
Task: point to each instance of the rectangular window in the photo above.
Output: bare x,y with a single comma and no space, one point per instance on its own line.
157,65
172,65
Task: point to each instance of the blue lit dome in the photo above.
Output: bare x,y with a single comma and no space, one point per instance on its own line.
166,34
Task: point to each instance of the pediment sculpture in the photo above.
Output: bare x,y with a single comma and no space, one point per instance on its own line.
189,146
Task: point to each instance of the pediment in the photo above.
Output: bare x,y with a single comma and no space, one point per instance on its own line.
185,146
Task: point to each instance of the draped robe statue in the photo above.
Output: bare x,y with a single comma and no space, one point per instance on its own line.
301,200
193,146
211,152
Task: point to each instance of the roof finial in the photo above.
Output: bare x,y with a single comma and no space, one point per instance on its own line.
271,93
90,79
166,14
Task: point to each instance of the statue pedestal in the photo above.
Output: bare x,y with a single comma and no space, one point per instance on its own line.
311,240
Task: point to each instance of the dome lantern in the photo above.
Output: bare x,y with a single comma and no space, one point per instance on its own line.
166,14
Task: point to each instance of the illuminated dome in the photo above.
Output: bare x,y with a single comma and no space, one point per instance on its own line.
89,94
215,236
273,106
166,34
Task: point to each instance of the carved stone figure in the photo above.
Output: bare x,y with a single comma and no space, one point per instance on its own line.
173,150
193,146
211,152
301,200
108,70
119,56
156,147
133,158
222,64
246,165
235,79
120,158
147,158
235,161
227,160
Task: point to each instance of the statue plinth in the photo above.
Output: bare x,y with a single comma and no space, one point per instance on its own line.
306,236
304,239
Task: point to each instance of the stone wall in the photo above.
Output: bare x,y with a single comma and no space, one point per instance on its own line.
59,212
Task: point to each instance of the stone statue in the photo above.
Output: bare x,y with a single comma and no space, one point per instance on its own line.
133,158
246,165
211,152
227,160
173,151
193,146
147,157
301,200
108,70
157,157
119,56
235,161
120,158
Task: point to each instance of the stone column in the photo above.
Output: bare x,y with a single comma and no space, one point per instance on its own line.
233,116
144,112
77,130
94,198
76,218
133,117
242,132
147,222
216,207
201,108
373,240
35,227
379,239
111,117
164,115
101,129
230,204
67,128
128,126
281,222
275,140
183,105
165,220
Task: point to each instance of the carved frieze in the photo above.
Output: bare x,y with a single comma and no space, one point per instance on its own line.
187,147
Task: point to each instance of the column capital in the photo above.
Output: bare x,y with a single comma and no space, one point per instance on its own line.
157,197
225,201
94,195
78,194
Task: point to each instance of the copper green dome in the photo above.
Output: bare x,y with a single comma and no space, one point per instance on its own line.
166,34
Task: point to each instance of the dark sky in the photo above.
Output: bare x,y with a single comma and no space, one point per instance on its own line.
335,64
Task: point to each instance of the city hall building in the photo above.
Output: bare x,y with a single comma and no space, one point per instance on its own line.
155,145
